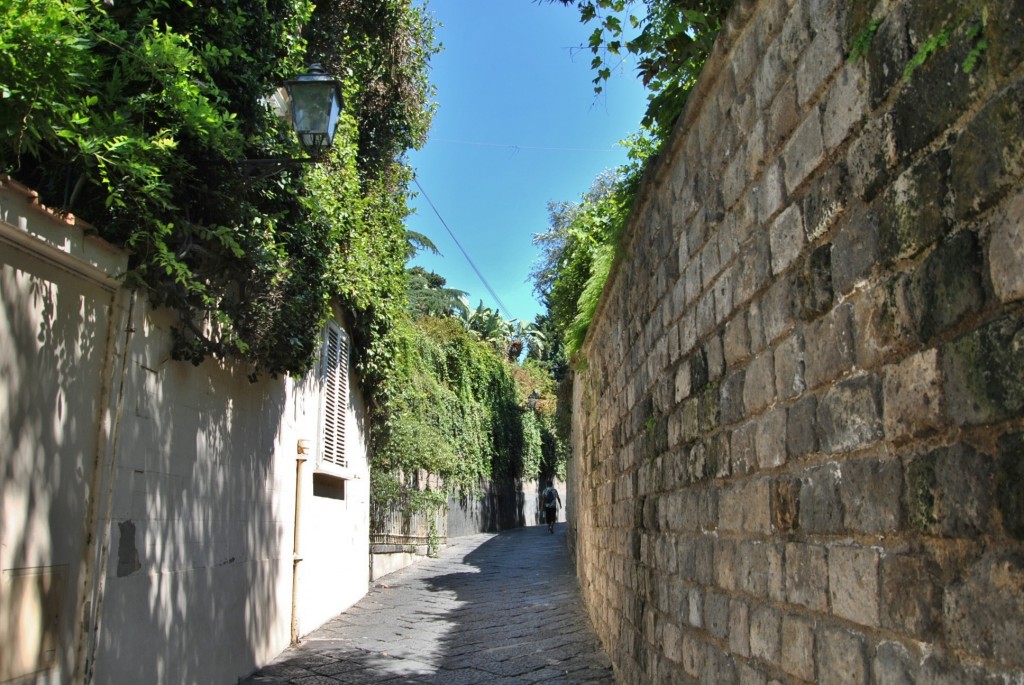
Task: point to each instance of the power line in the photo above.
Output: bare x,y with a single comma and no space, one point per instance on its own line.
463,250
516,147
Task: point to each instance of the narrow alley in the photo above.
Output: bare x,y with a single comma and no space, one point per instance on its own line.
492,609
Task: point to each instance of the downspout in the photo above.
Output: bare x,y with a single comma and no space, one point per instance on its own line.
85,661
302,450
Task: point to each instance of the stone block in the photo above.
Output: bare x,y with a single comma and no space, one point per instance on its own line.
746,508
749,675
1005,256
949,492
807,576
814,294
759,383
1009,476
841,657
829,347
736,340
776,307
742,448
820,506
845,105
732,397
696,605
771,438
983,614
786,505
913,212
716,358
789,367
766,634
984,373
770,75
826,201
819,61
725,564
705,560
802,427
734,179
934,97
853,583
947,287
871,158
753,269
672,642
782,116
786,238
804,152
910,596
798,646
912,397
855,250
849,415
889,52
883,324
870,491
770,193
893,664
1005,33
739,627
683,382
716,614
710,263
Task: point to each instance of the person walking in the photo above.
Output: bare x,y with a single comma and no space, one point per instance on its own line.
552,502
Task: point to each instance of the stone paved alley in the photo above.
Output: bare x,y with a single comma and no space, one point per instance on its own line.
493,608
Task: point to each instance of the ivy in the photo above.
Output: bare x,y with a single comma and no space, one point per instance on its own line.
139,116
458,411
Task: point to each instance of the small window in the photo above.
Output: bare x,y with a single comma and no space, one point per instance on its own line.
334,410
328,486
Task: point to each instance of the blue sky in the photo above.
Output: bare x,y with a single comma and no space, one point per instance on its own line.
517,125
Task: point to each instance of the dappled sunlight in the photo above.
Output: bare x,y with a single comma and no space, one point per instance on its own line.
206,533
49,415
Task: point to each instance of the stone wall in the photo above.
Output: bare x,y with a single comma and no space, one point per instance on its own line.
799,429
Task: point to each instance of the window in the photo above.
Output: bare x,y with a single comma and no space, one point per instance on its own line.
328,486
334,408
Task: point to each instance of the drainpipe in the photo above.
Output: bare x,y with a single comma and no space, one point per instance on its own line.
302,450
110,439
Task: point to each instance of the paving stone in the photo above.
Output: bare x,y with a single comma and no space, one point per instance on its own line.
493,609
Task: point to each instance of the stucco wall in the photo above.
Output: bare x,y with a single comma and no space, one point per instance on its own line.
161,495
798,450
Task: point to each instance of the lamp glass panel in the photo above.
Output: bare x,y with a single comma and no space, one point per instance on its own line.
315,112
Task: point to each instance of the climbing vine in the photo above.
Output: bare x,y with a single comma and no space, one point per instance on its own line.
458,415
139,116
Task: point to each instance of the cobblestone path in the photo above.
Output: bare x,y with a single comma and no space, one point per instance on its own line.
492,609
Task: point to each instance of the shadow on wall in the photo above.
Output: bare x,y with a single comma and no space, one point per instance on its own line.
191,581
192,591
49,411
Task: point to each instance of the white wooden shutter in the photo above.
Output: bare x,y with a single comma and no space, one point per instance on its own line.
335,397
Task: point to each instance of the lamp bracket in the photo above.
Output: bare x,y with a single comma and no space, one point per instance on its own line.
256,169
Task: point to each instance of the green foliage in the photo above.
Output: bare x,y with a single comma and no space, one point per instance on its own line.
671,41
978,44
927,49
138,116
579,248
457,411
862,41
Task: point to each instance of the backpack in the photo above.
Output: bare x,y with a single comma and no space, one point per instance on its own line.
549,498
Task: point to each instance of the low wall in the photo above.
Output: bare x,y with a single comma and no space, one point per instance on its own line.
798,441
